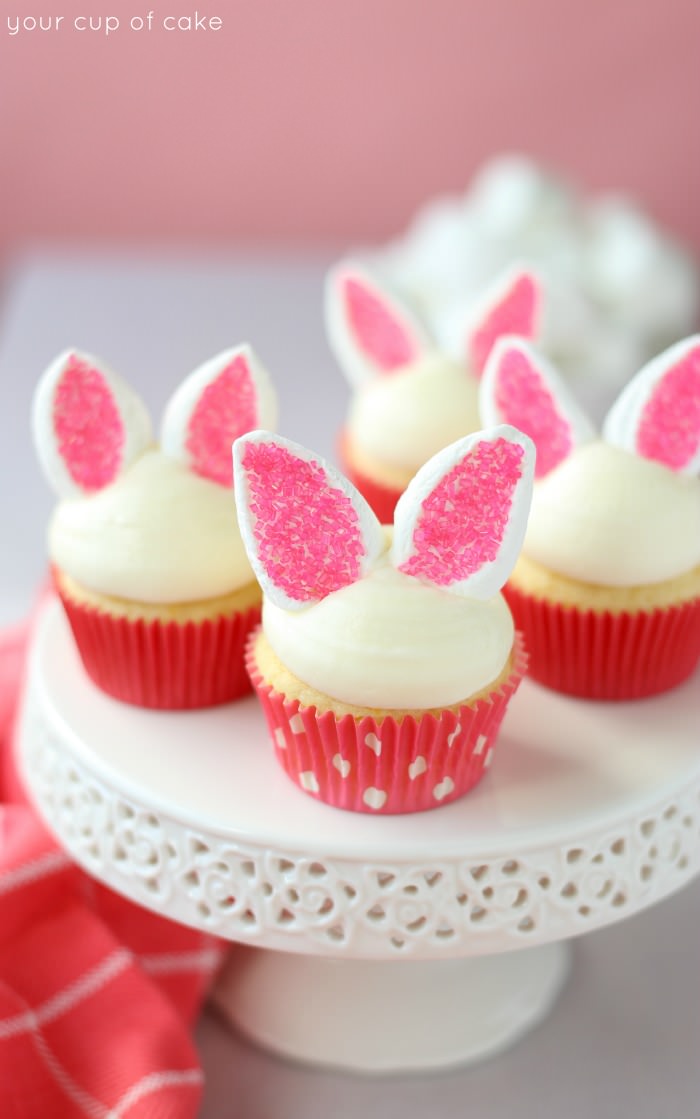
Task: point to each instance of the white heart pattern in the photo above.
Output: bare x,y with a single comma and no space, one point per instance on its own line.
374,743
445,787
480,743
455,734
280,739
308,781
296,724
418,766
341,764
374,798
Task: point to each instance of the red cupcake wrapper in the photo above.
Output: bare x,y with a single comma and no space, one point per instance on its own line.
599,655
381,498
383,766
166,665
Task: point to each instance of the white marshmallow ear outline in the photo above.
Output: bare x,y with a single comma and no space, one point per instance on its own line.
306,529
88,424
222,399
521,387
371,332
461,522
509,306
657,415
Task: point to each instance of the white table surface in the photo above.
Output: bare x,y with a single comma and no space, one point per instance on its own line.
623,1039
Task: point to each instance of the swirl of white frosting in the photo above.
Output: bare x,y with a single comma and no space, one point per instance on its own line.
159,534
404,418
607,517
391,641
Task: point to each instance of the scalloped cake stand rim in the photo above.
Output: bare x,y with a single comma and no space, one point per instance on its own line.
590,809
590,813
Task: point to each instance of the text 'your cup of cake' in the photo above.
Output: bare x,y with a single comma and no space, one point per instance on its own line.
385,661
607,590
410,399
144,545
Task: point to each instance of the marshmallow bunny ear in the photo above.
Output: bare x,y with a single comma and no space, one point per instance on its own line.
307,531
657,416
510,306
220,400
521,388
461,522
88,424
370,332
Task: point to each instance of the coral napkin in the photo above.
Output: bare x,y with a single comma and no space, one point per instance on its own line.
95,993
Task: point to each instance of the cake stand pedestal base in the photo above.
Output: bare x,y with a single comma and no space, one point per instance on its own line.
374,1017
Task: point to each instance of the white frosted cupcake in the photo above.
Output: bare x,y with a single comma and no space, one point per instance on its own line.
144,545
607,589
410,399
385,661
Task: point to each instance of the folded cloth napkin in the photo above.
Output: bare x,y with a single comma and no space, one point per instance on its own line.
96,994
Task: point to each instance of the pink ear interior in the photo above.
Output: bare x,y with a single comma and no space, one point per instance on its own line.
463,520
89,429
514,313
669,426
226,409
307,533
378,331
524,400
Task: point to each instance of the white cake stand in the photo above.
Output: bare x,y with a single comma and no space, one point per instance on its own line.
390,943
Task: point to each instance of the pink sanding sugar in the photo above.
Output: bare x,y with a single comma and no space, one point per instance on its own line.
669,427
307,533
525,401
380,335
463,520
226,409
88,427
514,314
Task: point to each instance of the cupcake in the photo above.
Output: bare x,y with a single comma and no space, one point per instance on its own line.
144,545
607,589
386,658
410,400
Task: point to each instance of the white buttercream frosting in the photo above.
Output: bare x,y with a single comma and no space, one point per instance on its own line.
404,418
608,517
390,641
159,534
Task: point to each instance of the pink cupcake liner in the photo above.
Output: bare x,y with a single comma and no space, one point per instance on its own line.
600,655
166,665
385,766
381,499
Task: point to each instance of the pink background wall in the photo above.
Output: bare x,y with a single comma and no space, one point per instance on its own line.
312,119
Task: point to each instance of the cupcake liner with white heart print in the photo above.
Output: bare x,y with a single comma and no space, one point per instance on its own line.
385,765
